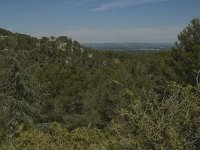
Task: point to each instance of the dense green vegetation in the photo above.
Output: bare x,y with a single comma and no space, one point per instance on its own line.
56,94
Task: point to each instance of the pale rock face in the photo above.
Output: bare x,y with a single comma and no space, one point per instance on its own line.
116,60
68,60
38,44
90,55
72,49
82,50
62,46
3,37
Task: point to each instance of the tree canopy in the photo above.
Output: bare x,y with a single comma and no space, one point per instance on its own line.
57,94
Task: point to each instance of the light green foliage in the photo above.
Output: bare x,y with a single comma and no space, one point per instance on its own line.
59,138
153,123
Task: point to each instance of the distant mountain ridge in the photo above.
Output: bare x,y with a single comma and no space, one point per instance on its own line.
129,46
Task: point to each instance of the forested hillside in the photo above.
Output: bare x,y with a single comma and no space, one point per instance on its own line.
56,94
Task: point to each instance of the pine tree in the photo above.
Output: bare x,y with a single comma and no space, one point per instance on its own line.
186,55
22,99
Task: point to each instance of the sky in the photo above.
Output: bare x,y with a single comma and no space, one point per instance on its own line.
100,21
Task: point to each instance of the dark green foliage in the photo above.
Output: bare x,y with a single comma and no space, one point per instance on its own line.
4,32
20,96
186,55
189,38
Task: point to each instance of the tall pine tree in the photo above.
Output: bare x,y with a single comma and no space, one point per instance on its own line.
22,99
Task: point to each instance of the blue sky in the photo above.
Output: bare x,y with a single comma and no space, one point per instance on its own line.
100,21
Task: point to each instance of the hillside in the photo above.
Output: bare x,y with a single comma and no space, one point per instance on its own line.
57,94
